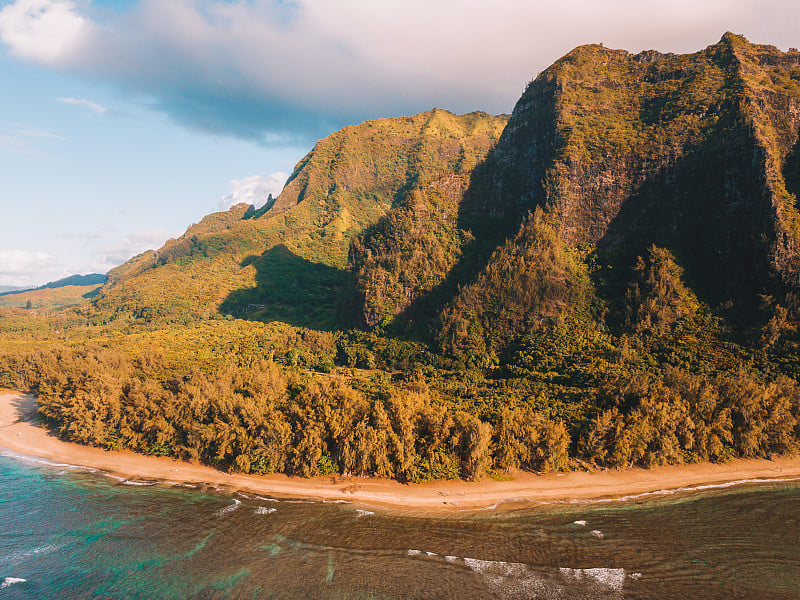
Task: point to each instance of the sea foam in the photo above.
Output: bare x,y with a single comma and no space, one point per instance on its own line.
227,509
611,578
679,490
23,554
518,580
9,581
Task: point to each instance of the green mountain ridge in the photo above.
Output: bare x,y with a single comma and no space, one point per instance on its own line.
609,274
345,184
77,280
622,151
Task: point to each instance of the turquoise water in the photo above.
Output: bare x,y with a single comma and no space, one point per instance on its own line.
71,534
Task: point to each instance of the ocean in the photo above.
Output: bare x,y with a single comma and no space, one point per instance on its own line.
70,533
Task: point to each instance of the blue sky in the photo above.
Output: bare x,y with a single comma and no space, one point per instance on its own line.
122,122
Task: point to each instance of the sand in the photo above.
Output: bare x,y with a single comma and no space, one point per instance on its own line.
21,432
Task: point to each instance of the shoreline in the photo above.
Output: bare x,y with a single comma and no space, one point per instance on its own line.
20,433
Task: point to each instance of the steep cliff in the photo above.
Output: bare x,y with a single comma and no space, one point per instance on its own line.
695,153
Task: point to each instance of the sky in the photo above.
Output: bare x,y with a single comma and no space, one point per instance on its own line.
122,122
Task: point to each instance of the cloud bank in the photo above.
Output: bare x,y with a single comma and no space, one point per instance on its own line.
36,267
113,254
253,190
272,70
25,267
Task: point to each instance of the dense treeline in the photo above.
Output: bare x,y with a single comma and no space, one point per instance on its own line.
684,418
264,418
261,419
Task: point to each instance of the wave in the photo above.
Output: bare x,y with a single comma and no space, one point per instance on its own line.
693,488
655,493
9,581
38,460
227,509
23,554
518,580
499,503
363,513
263,510
610,578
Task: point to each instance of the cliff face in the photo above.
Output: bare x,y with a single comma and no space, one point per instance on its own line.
691,152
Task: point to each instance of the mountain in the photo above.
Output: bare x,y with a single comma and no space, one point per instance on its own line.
81,280
7,289
395,220
70,291
696,154
288,261
610,274
94,279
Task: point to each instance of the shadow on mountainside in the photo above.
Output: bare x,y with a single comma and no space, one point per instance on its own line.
791,172
290,289
711,209
489,229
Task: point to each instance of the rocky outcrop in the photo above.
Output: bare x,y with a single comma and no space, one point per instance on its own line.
682,151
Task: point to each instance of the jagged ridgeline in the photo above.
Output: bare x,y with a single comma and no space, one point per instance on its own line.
288,261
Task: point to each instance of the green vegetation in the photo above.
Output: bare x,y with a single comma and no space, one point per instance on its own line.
614,279
49,299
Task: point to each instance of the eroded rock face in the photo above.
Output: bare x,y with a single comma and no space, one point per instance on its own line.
692,152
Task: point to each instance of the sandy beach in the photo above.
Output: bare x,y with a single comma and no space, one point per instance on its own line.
20,432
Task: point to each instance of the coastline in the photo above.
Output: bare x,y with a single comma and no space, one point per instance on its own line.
20,433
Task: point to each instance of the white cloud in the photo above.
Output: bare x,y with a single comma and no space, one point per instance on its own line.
115,253
28,267
253,190
24,140
47,31
98,108
99,255
261,66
